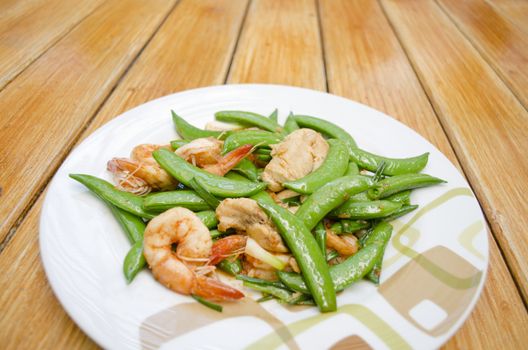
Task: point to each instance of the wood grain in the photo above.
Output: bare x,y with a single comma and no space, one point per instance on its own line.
484,121
216,26
280,44
163,69
499,41
515,10
32,317
28,28
45,107
365,63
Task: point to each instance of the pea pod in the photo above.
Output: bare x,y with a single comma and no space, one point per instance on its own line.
248,119
231,267
327,128
352,169
191,132
161,201
403,197
365,210
395,184
217,185
175,144
334,166
208,217
404,210
134,261
348,226
263,151
328,197
211,200
360,197
260,281
216,234
236,176
392,166
121,199
274,115
279,293
352,269
250,137
320,237
290,125
248,169
131,224
380,237
305,250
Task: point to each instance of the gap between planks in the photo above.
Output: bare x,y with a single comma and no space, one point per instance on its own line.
449,139
68,148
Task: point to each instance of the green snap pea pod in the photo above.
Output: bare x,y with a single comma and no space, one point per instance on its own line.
217,185
332,255
231,267
334,166
134,227
211,200
279,293
327,128
208,217
263,158
248,119
236,176
191,132
403,197
320,237
328,197
260,282
260,138
360,197
404,210
383,240
393,166
352,269
216,234
207,303
290,125
248,169
365,210
131,224
348,226
266,297
352,169
175,144
161,201
395,184
263,151
134,261
274,115
106,191
305,250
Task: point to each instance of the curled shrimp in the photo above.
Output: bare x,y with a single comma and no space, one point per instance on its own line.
345,244
141,173
206,153
181,270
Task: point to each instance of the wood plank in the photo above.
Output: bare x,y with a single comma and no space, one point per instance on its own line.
499,41
32,317
280,44
162,69
515,10
44,109
28,28
366,63
215,26
485,123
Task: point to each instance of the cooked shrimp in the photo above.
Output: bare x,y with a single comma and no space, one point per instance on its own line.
345,244
141,173
179,270
206,153
246,217
300,153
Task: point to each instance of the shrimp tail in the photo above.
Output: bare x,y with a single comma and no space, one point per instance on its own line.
230,160
215,290
226,247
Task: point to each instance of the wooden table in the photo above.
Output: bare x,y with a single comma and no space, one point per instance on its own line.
455,71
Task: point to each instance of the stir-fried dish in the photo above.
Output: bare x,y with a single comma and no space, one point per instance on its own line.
297,211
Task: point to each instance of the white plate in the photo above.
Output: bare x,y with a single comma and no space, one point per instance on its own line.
434,267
